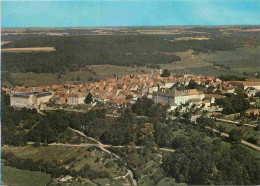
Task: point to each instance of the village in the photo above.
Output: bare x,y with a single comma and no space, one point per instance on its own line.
179,92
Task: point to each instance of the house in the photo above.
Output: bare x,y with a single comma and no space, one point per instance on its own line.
246,84
61,101
76,99
197,102
252,84
172,107
206,103
213,97
251,91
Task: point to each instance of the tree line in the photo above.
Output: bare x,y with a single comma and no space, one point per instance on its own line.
74,52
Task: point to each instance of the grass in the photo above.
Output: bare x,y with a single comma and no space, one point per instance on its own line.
54,154
205,71
63,153
101,72
14,176
248,132
240,60
188,61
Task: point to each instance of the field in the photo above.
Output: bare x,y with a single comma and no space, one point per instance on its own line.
191,38
195,64
188,60
54,154
29,49
101,72
98,72
13,176
240,60
155,48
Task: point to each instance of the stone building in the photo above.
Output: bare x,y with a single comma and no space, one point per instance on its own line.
178,97
30,99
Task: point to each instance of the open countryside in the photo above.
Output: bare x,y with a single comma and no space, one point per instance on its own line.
130,93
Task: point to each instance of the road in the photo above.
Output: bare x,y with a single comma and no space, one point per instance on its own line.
193,119
243,141
234,122
104,146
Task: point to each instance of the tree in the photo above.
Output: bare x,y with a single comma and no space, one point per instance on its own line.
59,76
257,94
147,131
165,73
129,97
221,129
88,98
235,135
235,103
6,99
193,85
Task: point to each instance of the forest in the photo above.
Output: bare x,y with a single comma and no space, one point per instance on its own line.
75,52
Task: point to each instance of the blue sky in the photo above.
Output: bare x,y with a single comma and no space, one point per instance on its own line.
129,13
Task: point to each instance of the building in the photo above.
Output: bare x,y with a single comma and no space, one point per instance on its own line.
246,84
255,85
178,97
76,99
30,99
182,96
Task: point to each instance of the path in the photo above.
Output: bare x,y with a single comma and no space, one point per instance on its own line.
101,146
193,118
243,141
234,122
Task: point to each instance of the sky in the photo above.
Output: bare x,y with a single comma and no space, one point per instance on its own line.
100,13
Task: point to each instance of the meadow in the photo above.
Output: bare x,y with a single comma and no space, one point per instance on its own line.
14,176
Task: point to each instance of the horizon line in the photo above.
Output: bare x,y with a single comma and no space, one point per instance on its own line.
214,25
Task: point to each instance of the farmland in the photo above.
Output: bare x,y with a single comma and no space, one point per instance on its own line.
29,49
241,59
82,54
201,64
14,176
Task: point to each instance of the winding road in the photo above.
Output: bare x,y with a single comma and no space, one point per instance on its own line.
103,148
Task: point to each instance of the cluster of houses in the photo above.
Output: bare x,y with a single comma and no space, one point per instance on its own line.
127,89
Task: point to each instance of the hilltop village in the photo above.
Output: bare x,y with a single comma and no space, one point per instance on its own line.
179,92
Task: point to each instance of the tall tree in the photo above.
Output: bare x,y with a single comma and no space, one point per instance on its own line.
235,135
88,98
165,73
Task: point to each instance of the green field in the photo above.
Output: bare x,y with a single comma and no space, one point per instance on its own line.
98,72
52,154
14,176
206,71
240,60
